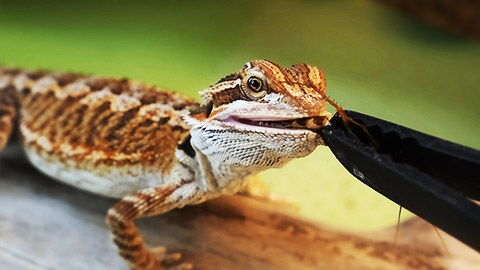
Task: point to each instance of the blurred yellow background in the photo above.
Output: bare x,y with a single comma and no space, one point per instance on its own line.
377,61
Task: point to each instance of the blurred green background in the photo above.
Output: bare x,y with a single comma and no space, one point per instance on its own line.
377,61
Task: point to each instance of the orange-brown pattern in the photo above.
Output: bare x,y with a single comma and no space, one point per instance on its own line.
104,126
307,81
8,113
120,122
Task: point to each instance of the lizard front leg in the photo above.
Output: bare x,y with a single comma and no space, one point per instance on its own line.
148,202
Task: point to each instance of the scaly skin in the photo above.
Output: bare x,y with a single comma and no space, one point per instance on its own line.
159,150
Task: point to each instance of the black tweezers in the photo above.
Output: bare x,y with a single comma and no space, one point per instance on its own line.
431,177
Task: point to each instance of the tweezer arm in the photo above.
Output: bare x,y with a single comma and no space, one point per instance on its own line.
419,172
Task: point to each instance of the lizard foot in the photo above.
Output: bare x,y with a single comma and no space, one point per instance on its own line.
169,261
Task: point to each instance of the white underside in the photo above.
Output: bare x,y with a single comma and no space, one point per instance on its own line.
112,183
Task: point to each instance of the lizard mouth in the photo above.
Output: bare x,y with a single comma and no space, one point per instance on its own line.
314,123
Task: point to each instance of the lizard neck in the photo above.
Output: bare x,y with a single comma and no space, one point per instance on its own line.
216,176
222,178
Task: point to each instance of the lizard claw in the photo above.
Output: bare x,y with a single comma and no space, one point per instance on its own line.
170,261
182,266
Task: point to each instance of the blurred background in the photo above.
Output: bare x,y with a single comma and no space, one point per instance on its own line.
378,59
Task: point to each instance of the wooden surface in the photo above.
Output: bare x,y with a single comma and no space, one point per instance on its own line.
48,225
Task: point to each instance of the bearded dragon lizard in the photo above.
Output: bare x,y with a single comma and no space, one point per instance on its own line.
158,150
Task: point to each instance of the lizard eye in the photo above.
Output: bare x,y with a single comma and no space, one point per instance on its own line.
255,84
254,87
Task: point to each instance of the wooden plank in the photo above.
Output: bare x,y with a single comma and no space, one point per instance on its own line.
48,225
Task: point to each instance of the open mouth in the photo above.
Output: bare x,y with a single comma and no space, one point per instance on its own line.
314,123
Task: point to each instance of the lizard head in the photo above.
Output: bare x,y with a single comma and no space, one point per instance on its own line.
261,116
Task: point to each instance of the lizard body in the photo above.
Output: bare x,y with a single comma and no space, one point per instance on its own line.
159,150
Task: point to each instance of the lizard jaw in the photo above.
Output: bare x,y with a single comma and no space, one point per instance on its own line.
282,125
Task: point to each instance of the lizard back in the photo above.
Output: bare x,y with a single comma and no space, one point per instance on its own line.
109,136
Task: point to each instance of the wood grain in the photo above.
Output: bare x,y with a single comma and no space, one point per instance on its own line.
48,225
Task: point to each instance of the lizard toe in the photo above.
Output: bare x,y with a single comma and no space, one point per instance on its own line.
170,261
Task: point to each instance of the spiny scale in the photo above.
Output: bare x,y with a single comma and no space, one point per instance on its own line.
102,126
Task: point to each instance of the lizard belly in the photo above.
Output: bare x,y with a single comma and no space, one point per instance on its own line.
109,181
